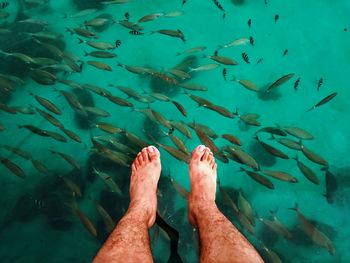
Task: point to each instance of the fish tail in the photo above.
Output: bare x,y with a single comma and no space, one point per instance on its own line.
81,40
295,158
295,208
86,53
256,138
272,137
241,169
311,109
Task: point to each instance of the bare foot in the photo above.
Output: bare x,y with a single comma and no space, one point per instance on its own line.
143,183
203,181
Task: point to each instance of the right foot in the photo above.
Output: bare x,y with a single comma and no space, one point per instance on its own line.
203,182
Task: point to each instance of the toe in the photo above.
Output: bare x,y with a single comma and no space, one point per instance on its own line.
153,153
133,167
206,154
215,166
144,154
136,163
198,152
140,158
210,156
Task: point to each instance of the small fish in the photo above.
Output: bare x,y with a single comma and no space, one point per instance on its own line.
285,52
86,222
319,84
245,57
283,176
223,60
109,181
298,133
127,15
232,139
18,151
69,159
331,185
276,226
272,256
181,127
136,33
12,167
99,65
180,74
307,172
172,33
56,136
250,119
218,5
224,73
205,139
251,40
176,153
272,150
291,144
236,42
180,108
245,207
3,5
313,233
81,13
244,158
206,67
184,2
193,86
259,178
96,22
50,118
324,101
180,189
100,54
98,45
276,17
108,221
40,167
150,17
249,22
312,156
34,130
279,82
248,85
273,131
109,128
296,84
71,135
259,61
191,50
118,43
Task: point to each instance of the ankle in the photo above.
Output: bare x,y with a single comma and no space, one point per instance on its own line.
200,205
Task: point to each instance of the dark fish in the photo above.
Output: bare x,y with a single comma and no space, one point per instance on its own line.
285,52
71,135
205,139
274,151
313,233
273,131
85,221
173,234
117,43
276,17
232,139
249,22
3,5
296,84
259,178
218,5
324,101
313,156
307,172
251,40
12,167
259,61
135,33
50,118
47,104
180,108
331,186
184,2
35,130
280,81
224,73
127,16
319,84
245,57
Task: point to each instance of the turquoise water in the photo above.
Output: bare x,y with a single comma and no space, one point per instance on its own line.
37,222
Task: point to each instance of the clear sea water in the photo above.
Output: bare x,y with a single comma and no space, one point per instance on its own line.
36,222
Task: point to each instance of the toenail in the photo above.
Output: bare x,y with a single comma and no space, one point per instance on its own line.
201,148
151,149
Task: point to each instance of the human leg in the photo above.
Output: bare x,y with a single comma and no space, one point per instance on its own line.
129,241
220,241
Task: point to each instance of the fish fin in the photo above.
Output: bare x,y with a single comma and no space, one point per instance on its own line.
256,138
272,137
295,158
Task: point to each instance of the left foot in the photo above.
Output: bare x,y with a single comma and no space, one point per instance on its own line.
143,183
